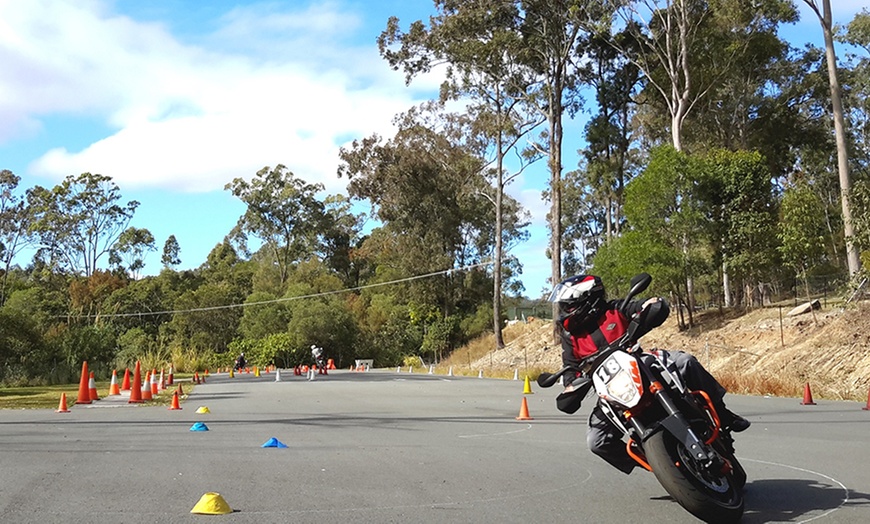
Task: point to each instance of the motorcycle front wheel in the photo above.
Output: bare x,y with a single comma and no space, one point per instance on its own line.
714,498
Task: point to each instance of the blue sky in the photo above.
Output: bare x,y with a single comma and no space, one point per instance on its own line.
175,98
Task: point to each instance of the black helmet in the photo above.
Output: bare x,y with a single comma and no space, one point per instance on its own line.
581,297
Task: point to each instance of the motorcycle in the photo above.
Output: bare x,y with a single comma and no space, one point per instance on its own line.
672,431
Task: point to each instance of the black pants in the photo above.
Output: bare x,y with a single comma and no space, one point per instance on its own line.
605,440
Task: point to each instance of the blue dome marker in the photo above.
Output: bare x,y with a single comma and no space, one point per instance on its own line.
199,426
273,443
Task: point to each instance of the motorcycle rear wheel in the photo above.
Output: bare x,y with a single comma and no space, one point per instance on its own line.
716,499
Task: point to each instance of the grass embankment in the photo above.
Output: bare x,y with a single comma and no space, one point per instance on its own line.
477,356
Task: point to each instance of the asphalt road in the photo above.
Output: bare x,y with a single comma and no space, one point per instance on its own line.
393,447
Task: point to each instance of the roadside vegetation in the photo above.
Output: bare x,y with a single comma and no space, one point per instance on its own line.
723,178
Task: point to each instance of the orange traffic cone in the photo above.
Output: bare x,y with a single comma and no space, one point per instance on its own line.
113,386
125,386
62,407
146,387
153,383
179,391
92,388
867,407
136,390
175,401
161,384
808,396
524,411
196,377
171,378
84,393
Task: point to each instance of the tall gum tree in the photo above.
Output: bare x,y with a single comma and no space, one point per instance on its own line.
479,41
551,30
78,221
283,212
824,16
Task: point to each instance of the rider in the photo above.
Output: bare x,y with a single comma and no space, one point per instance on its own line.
317,355
589,323
241,362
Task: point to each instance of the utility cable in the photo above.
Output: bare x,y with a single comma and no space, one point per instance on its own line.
288,299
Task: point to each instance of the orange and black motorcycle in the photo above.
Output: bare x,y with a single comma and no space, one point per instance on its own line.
670,430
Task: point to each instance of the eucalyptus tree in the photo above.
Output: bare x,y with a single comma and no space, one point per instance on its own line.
78,221
824,16
480,42
128,253
663,205
14,222
341,235
171,252
283,212
423,188
858,96
801,235
594,193
738,196
551,30
858,35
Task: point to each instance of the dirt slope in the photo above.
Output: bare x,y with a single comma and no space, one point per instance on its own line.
753,353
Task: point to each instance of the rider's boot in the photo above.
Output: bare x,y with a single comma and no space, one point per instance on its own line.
732,421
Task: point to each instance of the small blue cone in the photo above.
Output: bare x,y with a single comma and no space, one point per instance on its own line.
273,443
199,426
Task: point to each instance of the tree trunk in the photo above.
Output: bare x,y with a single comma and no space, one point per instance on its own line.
496,270
556,192
840,132
726,285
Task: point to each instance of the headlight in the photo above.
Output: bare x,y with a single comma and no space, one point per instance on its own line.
622,387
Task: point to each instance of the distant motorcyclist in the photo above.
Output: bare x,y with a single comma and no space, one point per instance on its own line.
317,355
241,363
589,323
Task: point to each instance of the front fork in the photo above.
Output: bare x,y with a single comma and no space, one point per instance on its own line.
676,424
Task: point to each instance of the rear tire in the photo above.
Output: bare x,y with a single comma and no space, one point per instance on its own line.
711,499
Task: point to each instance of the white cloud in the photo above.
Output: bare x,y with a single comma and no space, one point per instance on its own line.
284,88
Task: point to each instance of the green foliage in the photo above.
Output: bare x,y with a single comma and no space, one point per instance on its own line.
133,345
20,343
436,190
260,321
171,252
441,337
477,324
78,221
861,218
739,197
282,212
802,231
128,253
72,345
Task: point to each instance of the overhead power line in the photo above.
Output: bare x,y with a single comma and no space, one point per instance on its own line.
288,299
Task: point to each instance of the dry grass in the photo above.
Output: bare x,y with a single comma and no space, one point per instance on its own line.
759,383
753,353
477,357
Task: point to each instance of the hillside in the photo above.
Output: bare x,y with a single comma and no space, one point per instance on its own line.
748,353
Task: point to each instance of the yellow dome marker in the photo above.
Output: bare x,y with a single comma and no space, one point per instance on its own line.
212,504
203,409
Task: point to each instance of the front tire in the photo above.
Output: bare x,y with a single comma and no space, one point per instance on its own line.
715,499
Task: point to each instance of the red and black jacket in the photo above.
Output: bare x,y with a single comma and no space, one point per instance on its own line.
597,335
